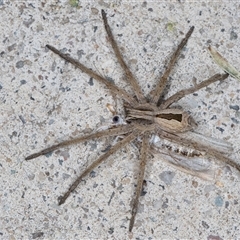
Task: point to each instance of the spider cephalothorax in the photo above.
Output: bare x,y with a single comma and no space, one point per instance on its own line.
146,118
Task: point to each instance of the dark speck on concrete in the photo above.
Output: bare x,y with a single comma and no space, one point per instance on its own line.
233,35
106,149
162,187
234,107
209,41
23,82
22,119
235,120
144,192
112,195
226,204
212,237
213,117
37,235
205,225
12,47
111,230
48,154
120,188
90,82
92,174
220,129
165,204
93,146
19,64
64,89
110,79
80,53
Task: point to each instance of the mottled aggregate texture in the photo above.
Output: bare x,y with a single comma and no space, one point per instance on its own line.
43,100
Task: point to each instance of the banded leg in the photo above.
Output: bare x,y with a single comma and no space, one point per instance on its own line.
143,159
177,96
112,150
105,133
155,95
131,79
200,147
120,92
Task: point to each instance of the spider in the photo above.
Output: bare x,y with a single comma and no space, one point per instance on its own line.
145,117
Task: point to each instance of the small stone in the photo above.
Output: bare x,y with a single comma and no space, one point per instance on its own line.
234,107
19,64
218,201
167,177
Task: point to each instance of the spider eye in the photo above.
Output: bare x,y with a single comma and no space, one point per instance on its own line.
116,119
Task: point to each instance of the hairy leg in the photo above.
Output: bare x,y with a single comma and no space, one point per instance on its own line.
218,156
112,150
112,87
131,79
155,95
143,160
177,96
105,133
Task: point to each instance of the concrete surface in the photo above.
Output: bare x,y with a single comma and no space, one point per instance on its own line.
45,100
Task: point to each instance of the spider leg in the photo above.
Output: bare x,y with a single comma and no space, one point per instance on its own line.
220,157
157,92
205,175
131,79
177,96
112,150
105,133
143,159
200,147
112,87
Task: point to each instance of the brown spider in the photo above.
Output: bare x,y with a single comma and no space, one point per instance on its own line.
145,117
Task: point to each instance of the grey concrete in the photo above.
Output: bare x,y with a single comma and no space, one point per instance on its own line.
44,100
